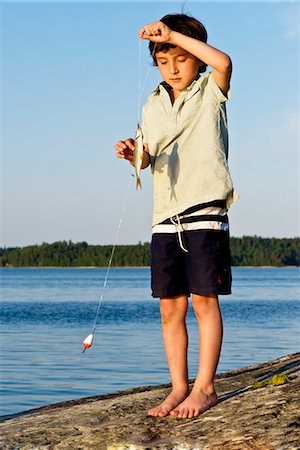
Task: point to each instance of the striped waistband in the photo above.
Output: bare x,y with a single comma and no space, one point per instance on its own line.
209,218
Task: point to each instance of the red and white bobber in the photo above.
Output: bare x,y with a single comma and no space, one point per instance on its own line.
88,342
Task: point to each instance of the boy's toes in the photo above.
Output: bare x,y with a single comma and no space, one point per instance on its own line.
163,414
174,412
158,412
188,414
193,413
183,414
197,412
152,412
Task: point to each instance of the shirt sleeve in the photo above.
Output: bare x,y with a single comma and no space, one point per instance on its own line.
216,91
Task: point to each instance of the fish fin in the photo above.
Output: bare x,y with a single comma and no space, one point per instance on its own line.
138,182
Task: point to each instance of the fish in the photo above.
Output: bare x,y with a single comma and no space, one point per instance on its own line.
87,343
138,154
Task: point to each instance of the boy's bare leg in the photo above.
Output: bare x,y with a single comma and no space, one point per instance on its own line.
173,312
203,395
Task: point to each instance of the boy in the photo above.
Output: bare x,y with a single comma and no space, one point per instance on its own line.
185,141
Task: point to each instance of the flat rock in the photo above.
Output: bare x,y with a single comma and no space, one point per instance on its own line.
245,418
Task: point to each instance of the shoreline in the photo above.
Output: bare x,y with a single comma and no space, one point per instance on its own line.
253,412
136,267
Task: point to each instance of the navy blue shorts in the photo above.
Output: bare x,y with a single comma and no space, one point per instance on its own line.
205,269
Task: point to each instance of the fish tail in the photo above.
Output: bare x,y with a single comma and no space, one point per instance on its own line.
138,183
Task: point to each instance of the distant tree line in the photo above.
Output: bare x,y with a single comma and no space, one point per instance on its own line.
69,254
258,251
246,251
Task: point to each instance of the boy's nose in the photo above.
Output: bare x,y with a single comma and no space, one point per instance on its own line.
173,68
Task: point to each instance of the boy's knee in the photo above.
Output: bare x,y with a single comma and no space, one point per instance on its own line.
172,310
204,304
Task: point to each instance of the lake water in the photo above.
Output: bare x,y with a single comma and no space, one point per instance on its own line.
46,313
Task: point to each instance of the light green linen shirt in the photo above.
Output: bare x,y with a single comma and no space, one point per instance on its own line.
188,147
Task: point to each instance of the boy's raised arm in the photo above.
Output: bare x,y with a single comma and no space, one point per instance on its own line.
219,61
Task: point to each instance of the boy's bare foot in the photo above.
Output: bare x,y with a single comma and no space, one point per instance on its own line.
173,400
194,405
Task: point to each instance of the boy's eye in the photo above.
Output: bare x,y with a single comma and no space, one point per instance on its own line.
181,59
162,62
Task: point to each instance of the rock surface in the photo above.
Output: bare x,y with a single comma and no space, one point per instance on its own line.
245,418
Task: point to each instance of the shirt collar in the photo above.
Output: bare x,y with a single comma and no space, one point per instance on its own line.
167,87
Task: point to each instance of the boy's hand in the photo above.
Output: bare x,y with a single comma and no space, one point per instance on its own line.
156,32
125,149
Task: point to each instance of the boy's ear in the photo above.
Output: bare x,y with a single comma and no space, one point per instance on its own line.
202,66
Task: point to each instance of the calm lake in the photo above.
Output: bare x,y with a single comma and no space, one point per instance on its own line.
46,313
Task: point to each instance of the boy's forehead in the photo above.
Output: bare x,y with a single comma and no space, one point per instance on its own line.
171,52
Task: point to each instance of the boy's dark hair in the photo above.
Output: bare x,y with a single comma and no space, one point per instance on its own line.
185,25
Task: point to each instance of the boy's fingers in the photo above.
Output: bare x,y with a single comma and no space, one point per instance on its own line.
125,149
129,144
120,145
124,153
123,145
141,32
155,30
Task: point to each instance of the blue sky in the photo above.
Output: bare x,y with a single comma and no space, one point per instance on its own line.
69,92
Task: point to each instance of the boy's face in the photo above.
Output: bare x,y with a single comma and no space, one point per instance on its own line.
178,68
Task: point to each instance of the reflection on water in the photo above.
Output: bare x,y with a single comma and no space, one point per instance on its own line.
46,313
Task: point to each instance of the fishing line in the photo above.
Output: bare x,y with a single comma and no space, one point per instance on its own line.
87,343
141,87
139,98
89,340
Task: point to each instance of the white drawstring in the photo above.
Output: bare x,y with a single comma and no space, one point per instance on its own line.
179,229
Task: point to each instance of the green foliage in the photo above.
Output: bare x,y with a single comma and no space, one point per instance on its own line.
246,251
276,380
69,254
258,251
